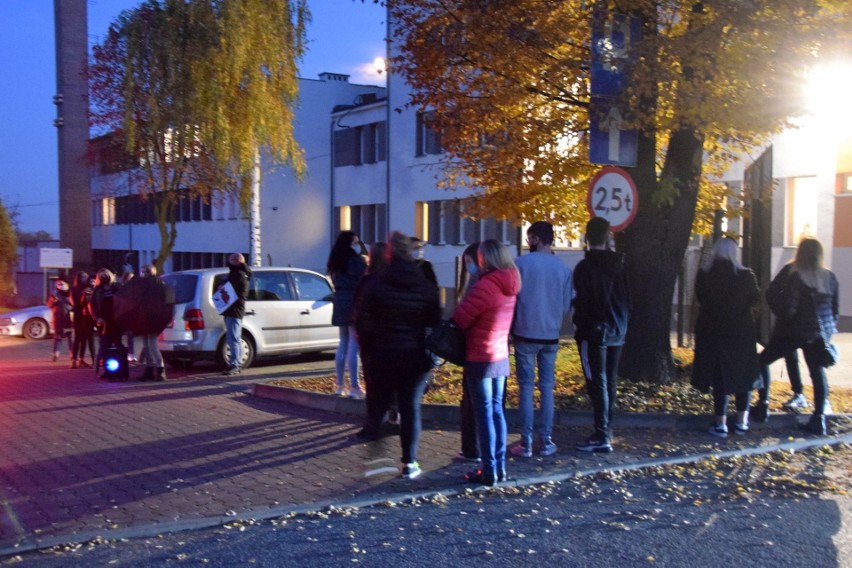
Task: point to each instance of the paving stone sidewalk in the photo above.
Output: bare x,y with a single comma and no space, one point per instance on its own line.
82,459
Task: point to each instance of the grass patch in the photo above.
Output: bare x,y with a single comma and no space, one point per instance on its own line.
677,397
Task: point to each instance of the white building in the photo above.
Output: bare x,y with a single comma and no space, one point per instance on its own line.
800,185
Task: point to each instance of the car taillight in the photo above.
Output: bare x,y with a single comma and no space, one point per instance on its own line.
193,319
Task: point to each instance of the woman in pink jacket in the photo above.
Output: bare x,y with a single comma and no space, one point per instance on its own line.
485,314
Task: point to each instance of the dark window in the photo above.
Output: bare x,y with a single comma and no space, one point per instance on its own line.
184,286
368,143
270,286
428,138
311,287
347,147
381,142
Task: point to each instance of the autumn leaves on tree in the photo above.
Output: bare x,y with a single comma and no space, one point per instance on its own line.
508,81
192,90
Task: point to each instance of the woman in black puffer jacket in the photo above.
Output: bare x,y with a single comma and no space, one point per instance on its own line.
392,312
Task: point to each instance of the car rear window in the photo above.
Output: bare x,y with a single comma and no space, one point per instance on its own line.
184,286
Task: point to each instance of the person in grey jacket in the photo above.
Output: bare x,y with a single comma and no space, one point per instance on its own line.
544,300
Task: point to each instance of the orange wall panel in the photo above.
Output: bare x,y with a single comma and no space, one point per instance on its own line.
843,221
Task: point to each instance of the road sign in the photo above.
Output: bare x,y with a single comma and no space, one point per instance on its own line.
613,36
613,196
55,258
608,142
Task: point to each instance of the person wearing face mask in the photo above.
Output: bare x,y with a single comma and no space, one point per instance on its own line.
425,266
543,302
346,267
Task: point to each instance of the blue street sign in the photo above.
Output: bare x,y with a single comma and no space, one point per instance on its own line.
608,142
612,38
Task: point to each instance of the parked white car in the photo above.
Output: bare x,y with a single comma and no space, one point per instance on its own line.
288,310
33,323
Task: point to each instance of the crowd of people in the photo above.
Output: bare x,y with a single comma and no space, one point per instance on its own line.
86,309
386,302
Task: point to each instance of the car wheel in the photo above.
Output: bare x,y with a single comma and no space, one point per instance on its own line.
224,353
178,363
36,328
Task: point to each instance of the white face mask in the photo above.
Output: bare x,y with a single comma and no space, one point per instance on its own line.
472,268
356,248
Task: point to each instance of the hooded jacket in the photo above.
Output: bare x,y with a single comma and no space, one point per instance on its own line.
239,278
601,298
392,310
485,314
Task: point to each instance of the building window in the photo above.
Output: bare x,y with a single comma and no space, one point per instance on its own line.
368,143
366,221
347,147
358,145
801,210
443,222
428,138
845,182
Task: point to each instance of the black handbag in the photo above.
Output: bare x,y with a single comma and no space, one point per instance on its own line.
447,342
826,352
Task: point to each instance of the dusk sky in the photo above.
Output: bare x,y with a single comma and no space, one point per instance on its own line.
345,36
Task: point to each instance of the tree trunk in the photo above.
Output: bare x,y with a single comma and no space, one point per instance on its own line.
655,244
166,216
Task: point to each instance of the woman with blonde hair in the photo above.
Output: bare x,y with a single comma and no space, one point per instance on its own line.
726,335
804,297
485,314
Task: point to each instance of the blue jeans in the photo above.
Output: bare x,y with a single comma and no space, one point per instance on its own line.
527,357
347,352
233,333
490,422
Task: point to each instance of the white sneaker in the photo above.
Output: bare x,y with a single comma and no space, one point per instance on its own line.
340,391
391,417
719,430
356,393
796,401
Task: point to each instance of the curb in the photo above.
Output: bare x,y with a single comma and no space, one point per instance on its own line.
449,414
267,513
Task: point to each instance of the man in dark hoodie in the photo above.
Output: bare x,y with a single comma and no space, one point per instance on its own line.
601,311
239,278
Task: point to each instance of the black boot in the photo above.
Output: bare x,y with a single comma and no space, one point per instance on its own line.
816,425
760,412
161,374
148,375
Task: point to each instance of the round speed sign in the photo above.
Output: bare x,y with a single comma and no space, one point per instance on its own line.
613,196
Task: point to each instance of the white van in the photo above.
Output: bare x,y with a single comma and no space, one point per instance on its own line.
288,310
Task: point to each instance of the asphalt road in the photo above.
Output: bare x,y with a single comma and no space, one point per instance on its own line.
786,510
761,511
